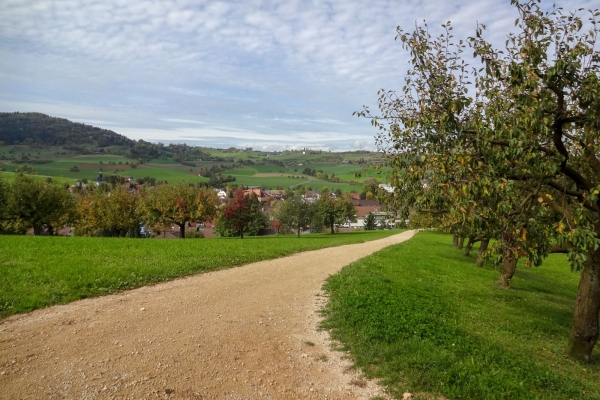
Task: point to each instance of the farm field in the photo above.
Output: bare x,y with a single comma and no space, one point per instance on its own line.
63,269
10,177
437,325
256,170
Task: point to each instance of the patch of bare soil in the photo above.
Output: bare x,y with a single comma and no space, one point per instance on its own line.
242,333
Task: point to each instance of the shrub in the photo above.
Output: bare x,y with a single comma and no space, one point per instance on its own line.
194,234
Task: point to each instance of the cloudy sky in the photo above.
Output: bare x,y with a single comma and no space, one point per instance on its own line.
269,74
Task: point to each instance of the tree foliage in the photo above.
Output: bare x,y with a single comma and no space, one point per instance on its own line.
16,128
31,203
331,211
242,216
370,222
179,204
295,213
109,211
508,149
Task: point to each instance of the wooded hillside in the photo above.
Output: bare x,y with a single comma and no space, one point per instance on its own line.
25,128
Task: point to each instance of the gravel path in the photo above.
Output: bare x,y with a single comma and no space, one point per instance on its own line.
242,333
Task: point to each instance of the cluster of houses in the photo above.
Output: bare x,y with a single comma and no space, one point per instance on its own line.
363,207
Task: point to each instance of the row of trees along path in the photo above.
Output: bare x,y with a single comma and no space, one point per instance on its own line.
505,145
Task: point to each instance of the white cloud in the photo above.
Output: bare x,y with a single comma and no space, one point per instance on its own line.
290,64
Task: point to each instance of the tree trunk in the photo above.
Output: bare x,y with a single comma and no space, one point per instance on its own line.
242,233
469,245
584,332
509,265
461,242
455,240
332,231
298,231
37,230
181,230
482,249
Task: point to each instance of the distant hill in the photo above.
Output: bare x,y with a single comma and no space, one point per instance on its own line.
41,129
25,128
37,129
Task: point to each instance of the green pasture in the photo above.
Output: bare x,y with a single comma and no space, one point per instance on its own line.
164,168
166,174
63,269
62,169
423,318
162,160
246,171
10,177
270,182
346,171
235,155
269,168
91,159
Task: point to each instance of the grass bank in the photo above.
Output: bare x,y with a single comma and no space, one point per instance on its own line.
36,272
423,318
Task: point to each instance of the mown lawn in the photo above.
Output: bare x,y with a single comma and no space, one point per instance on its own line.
36,272
423,318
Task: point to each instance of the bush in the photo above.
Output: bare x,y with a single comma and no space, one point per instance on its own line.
191,234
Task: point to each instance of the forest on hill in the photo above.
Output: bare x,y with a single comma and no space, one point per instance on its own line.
40,129
25,128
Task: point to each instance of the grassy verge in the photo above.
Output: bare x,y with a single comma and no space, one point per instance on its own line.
36,272
423,318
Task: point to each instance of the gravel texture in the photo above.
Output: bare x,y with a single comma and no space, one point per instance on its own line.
243,333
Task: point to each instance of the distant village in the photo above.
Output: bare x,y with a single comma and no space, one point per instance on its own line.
269,200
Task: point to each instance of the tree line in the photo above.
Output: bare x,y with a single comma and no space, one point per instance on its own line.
505,151
328,211
119,210
115,210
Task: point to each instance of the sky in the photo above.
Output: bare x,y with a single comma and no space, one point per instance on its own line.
266,74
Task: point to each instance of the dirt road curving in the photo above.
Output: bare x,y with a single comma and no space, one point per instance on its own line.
242,333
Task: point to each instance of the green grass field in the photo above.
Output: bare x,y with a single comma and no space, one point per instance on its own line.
10,177
165,169
423,318
36,272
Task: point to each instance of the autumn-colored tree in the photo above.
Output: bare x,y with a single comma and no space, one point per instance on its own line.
277,226
243,215
33,203
106,211
179,204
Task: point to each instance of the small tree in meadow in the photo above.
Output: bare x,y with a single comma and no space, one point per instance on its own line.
370,222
